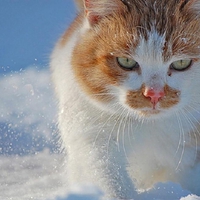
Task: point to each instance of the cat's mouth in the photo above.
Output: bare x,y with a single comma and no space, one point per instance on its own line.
150,112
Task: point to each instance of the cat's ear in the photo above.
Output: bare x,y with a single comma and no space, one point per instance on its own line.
95,10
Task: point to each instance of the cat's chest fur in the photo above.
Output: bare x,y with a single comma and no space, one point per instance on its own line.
128,101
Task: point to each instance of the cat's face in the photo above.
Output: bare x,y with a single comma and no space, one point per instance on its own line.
142,57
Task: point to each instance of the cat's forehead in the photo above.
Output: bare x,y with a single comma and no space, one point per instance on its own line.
167,27
174,21
151,50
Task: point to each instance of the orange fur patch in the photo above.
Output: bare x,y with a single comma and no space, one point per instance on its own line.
137,100
94,59
96,73
170,99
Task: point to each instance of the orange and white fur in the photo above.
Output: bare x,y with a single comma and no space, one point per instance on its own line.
127,77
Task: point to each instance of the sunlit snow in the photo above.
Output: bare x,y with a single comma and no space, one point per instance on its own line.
31,166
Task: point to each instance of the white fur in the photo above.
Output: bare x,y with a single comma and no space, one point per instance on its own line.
118,150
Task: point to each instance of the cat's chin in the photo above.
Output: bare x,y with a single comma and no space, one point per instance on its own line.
151,113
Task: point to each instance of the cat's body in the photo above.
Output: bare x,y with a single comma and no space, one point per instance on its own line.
127,76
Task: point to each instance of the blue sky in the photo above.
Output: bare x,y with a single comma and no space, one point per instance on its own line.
29,29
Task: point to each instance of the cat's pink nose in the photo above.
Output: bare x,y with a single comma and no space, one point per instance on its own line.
154,94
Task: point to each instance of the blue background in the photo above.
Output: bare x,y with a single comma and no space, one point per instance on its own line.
29,30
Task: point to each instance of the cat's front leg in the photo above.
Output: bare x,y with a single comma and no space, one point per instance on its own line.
102,166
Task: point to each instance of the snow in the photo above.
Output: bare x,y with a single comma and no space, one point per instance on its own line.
30,164
27,111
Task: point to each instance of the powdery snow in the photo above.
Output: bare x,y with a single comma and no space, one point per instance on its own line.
27,126
42,177
190,197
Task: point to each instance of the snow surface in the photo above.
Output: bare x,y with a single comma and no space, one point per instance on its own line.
31,166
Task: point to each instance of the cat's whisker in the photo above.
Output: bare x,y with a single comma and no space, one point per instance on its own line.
194,129
130,128
103,94
178,121
196,120
121,117
181,140
100,130
105,123
194,108
112,130
126,127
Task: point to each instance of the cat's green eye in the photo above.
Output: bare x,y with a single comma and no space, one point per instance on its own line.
127,63
181,65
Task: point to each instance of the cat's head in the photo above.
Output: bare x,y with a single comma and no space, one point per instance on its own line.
140,56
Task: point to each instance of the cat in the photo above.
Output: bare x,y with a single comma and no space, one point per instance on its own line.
127,78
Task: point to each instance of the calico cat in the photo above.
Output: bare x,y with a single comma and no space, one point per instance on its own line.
127,77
